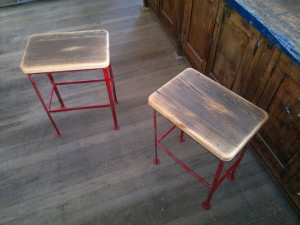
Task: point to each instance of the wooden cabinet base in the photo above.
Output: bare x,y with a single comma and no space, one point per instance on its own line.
288,188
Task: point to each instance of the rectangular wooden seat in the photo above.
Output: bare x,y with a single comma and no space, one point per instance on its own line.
214,116
66,51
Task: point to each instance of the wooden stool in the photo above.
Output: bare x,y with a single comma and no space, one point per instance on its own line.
212,115
69,52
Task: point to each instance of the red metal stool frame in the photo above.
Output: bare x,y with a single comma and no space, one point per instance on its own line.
218,179
108,79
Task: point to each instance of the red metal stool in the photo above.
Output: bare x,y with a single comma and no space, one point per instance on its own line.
69,52
212,115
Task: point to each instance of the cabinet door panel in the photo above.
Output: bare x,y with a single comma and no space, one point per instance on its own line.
278,142
198,27
171,16
154,5
284,119
246,85
235,49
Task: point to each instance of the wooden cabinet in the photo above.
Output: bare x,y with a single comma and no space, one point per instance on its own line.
236,45
278,142
170,13
200,17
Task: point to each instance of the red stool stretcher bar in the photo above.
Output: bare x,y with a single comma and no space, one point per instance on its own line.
212,115
69,52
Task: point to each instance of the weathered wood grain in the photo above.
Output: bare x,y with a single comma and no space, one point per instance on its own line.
247,84
214,116
280,149
196,41
92,174
234,50
66,51
279,20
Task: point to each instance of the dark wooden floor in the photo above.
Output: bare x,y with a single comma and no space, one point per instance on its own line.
94,174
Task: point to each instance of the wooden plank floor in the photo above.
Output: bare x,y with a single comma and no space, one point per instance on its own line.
94,174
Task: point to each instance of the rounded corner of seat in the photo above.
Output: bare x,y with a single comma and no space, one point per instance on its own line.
22,68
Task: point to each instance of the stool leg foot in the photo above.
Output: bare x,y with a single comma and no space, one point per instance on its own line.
230,176
58,134
206,205
156,161
117,128
181,138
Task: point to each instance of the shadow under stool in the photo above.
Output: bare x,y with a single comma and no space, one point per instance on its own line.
215,117
69,52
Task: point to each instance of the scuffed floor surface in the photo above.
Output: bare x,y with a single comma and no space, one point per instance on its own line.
94,174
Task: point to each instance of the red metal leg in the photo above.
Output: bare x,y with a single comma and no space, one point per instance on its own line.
218,179
113,83
111,99
56,90
230,175
156,160
183,165
58,133
206,204
181,138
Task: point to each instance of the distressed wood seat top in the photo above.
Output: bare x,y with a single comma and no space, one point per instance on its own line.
66,52
214,116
